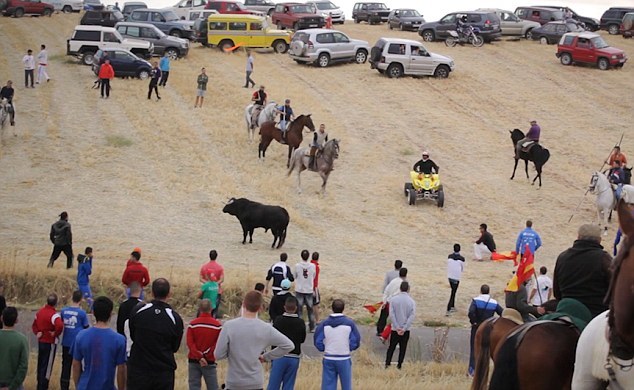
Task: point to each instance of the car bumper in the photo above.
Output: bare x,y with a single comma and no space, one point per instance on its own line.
491,35
304,25
307,58
618,61
377,18
411,27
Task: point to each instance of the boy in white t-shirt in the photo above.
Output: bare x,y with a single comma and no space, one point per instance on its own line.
541,291
304,278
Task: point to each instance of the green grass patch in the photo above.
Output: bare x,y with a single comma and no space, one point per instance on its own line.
118,141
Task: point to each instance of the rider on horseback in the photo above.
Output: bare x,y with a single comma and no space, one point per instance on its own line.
532,138
259,101
7,92
286,116
617,177
426,166
319,140
616,155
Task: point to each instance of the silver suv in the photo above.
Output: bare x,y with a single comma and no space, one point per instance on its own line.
397,57
322,46
163,43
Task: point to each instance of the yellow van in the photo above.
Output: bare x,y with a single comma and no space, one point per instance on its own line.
228,31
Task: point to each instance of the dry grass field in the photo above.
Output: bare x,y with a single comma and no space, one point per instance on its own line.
133,172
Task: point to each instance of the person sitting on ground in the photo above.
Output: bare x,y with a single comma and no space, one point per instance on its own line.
485,245
426,165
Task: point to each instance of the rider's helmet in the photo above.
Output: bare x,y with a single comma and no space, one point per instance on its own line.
425,155
464,19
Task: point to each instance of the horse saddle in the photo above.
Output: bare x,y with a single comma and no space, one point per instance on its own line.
513,315
527,145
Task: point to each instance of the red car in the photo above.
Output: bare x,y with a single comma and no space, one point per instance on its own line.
19,8
589,48
230,7
296,16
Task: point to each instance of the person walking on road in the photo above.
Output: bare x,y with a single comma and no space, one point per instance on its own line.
304,281
155,76
455,267
402,313
249,69
47,326
29,67
14,352
62,239
201,89
75,320
106,73
202,336
42,61
164,65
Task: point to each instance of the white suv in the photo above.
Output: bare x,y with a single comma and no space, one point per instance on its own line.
87,40
68,6
322,46
328,8
398,57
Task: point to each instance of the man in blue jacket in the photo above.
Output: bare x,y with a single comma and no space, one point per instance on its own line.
529,237
337,336
84,269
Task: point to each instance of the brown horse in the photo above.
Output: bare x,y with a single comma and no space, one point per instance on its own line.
621,292
294,137
486,344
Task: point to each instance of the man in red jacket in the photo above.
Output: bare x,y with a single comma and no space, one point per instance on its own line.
202,335
106,73
135,272
47,326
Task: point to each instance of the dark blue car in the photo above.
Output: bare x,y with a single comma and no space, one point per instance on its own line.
124,64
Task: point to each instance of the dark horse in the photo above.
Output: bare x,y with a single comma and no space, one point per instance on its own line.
537,154
294,137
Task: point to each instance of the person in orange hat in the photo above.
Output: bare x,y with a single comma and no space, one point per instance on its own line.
135,272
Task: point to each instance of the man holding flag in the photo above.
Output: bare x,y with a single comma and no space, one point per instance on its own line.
516,296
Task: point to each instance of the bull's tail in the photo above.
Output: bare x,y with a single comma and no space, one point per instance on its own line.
282,238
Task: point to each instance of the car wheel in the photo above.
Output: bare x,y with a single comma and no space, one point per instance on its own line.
412,198
407,187
280,46
19,13
225,45
543,40
172,53
603,64
176,33
323,60
442,72
88,58
67,9
394,71
529,34
566,59
613,29
47,12
440,201
380,70
361,57
428,36
143,74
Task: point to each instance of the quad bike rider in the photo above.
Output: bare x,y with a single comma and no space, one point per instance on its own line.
425,182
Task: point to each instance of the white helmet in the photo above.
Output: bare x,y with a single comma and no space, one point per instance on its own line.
425,154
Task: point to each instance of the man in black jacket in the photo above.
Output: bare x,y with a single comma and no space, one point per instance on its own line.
426,165
583,272
125,310
62,239
485,245
278,302
284,370
156,331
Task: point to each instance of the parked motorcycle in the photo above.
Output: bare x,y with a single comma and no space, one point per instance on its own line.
468,35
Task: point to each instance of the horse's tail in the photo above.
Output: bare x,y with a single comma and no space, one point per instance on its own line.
291,164
482,359
545,156
505,376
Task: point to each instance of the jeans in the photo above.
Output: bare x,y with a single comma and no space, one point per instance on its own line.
331,369
68,251
474,329
105,87
196,371
86,293
401,341
249,79
45,360
67,364
138,379
306,299
164,76
28,73
283,373
452,298
152,87
41,73
380,324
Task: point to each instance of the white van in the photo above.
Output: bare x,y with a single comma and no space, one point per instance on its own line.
182,8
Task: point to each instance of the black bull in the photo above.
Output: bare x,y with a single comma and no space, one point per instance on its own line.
257,215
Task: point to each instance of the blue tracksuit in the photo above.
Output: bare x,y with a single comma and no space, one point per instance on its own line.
84,269
337,336
528,237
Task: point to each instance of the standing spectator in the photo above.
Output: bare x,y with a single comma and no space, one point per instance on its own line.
202,335
156,331
125,310
542,289
485,245
106,73
14,352
75,320
385,310
164,65
391,290
455,266
3,302
529,237
135,272
42,60
209,291
212,271
316,296
84,270
481,309
284,370
304,279
201,89
47,326
583,271
62,239
249,69
242,341
616,155
29,67
7,92
278,272
259,287
337,336
98,351
155,76
276,307
402,312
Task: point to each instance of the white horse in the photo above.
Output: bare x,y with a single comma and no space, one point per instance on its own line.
592,356
4,112
606,200
324,163
266,114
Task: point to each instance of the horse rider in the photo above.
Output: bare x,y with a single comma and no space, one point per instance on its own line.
616,155
259,101
319,140
518,300
532,138
426,166
286,116
7,92
617,178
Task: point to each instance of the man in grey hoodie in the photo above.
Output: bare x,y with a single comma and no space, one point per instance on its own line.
242,341
62,240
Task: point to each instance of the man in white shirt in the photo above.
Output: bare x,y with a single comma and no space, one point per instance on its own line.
29,66
541,291
42,60
455,266
304,276
385,311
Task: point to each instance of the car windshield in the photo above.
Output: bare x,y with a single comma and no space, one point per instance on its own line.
240,6
410,13
302,9
325,5
170,16
377,6
599,43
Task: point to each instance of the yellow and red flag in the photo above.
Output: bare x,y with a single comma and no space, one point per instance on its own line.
373,308
524,271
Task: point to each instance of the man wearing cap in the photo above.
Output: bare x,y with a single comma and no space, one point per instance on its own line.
426,165
532,137
583,272
62,239
259,101
276,307
286,116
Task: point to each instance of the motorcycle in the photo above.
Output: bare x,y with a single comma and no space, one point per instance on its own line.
469,34
424,186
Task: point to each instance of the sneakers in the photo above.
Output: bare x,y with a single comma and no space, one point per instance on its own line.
448,313
453,310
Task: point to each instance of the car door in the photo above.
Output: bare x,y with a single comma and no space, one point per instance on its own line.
139,16
159,21
559,32
446,24
109,39
326,43
510,23
256,34
583,51
149,34
392,19
420,62
345,48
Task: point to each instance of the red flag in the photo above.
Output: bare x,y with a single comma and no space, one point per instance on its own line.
524,271
373,307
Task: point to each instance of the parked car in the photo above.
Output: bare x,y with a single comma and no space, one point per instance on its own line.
551,32
328,8
538,14
397,57
487,22
296,16
184,6
164,19
130,6
225,31
264,6
372,13
195,14
68,6
627,25
199,31
92,5
405,19
231,7
19,8
591,24
101,18
163,43
512,25
589,48
124,63
87,40
322,47
612,18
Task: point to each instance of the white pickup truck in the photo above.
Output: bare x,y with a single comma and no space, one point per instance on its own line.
87,40
68,6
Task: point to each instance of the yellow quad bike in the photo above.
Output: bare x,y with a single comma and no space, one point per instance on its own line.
424,186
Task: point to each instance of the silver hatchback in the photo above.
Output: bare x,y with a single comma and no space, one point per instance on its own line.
323,46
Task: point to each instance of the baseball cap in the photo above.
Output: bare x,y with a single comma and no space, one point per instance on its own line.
137,249
286,284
